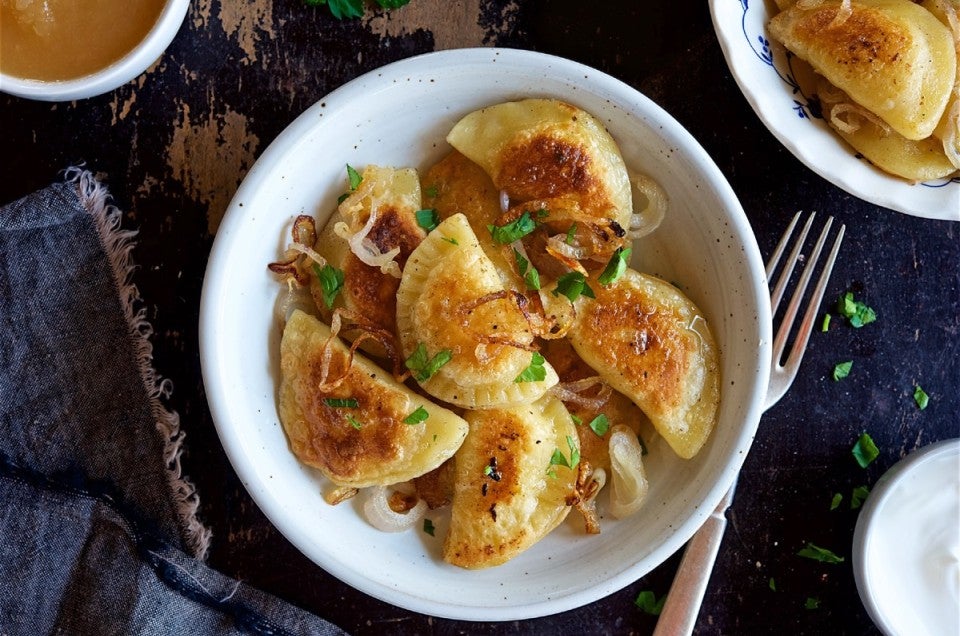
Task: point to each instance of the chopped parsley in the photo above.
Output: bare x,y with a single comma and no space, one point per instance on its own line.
865,451
354,422
341,9
428,219
423,366
418,415
647,601
856,312
616,266
530,274
571,233
331,282
920,397
842,370
600,425
450,240
812,603
825,325
341,403
559,459
516,229
573,285
576,419
811,551
353,177
431,191
858,496
428,527
835,502
772,584
536,372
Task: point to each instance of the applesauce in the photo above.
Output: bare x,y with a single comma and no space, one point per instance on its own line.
66,39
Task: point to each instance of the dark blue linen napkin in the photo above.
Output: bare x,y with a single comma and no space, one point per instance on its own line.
98,527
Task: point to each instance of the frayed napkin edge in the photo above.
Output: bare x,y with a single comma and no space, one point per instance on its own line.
118,244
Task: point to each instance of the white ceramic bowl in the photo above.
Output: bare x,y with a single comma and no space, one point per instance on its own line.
399,115
117,74
761,67
906,546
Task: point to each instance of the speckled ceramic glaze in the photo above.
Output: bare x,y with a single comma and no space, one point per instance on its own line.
763,69
399,115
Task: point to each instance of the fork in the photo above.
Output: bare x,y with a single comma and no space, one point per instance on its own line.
682,605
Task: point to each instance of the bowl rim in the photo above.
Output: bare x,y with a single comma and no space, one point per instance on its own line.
214,288
873,507
131,65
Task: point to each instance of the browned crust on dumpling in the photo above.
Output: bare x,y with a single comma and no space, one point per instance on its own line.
456,184
504,498
866,37
359,445
327,439
367,290
547,167
666,348
502,436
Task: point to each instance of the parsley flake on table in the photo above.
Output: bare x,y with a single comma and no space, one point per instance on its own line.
341,403
530,274
812,603
600,425
616,266
423,366
772,584
920,397
865,451
647,601
811,551
516,229
352,8
428,219
858,496
573,285
825,325
836,501
418,415
331,282
842,370
857,313
428,527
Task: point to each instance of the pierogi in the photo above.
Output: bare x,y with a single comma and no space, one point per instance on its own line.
465,284
889,81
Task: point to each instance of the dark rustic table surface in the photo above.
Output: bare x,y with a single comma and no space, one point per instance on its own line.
174,144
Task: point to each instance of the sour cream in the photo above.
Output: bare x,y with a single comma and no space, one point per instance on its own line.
907,545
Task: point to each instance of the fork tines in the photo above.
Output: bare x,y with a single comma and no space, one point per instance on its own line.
785,373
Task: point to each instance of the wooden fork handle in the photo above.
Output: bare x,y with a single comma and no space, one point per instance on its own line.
679,614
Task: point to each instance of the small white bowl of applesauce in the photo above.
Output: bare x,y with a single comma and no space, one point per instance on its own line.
62,50
906,547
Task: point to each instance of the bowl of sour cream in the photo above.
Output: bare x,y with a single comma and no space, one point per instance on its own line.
61,50
906,546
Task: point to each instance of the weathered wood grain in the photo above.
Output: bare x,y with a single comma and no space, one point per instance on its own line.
175,143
